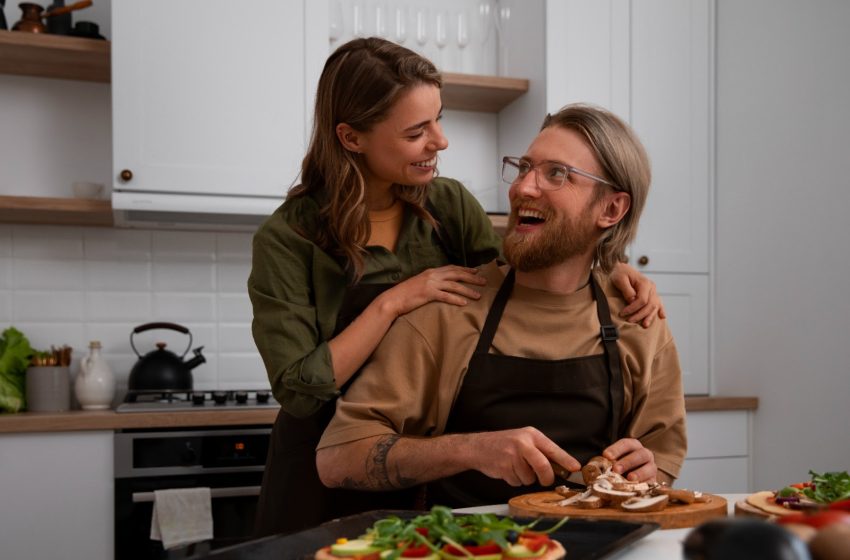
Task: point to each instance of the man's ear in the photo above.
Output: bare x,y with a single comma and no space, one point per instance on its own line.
614,208
350,139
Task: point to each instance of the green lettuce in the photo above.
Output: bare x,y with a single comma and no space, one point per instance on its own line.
15,353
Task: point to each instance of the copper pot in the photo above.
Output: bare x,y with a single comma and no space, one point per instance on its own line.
30,21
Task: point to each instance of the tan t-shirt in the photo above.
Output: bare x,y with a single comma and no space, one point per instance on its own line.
415,374
386,225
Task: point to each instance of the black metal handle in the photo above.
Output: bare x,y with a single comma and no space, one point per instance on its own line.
151,326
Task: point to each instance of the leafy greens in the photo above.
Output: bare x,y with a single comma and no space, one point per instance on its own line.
828,487
15,352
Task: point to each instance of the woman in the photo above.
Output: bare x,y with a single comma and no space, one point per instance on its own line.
368,235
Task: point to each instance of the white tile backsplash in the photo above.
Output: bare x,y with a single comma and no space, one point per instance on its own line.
118,306
234,247
118,276
183,246
110,244
67,285
235,308
5,242
48,306
47,242
183,276
55,275
184,307
233,276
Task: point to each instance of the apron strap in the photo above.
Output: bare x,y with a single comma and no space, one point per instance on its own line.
609,334
495,314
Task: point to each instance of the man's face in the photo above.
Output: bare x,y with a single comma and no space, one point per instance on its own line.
547,228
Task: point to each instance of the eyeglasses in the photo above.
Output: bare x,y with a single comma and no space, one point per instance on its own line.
551,175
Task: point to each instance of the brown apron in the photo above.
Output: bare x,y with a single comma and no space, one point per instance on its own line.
576,402
292,496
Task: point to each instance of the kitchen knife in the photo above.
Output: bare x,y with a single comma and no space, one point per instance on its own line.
572,477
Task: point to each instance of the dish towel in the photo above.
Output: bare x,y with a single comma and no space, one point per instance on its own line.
181,516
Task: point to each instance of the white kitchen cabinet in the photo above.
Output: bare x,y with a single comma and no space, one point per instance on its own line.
57,495
208,101
719,449
651,62
686,302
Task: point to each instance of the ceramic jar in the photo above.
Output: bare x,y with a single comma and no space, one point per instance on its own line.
48,389
95,384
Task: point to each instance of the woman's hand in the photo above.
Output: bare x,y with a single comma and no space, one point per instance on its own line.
448,284
644,303
632,460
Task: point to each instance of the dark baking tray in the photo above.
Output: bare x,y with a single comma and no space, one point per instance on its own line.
583,538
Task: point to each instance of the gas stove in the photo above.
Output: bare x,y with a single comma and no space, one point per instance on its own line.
149,401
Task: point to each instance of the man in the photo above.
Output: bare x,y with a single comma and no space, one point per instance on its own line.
479,401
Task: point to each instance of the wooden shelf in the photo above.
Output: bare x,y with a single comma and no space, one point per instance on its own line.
55,211
74,58
485,94
54,56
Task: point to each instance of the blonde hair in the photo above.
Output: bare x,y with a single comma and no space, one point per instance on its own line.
624,162
359,85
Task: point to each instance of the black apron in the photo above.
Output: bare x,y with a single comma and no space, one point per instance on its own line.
576,402
292,497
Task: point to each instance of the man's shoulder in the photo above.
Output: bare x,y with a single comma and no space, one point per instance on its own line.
656,335
430,319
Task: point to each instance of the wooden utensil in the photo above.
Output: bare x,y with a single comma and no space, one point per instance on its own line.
67,9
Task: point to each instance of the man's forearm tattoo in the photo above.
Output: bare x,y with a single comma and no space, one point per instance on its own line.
378,475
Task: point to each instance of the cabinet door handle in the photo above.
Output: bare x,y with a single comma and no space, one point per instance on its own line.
643,260
126,174
231,492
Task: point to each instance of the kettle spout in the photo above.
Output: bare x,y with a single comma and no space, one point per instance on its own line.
197,360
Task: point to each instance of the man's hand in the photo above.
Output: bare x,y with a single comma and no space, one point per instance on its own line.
519,457
632,460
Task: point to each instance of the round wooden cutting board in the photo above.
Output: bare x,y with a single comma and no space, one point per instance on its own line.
674,516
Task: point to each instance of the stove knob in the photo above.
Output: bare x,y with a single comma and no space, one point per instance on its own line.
198,399
220,397
241,397
262,397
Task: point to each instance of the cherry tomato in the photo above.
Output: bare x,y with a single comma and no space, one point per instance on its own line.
420,551
475,550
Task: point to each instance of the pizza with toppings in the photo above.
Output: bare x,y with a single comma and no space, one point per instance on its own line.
441,535
830,490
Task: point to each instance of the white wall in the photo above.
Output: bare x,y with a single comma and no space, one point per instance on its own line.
782,311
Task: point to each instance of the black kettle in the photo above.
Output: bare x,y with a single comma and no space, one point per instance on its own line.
162,371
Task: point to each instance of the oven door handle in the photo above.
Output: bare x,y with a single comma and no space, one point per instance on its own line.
229,492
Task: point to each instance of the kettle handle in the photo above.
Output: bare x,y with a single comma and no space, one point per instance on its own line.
151,326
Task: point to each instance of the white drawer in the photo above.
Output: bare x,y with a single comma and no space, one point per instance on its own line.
718,434
726,476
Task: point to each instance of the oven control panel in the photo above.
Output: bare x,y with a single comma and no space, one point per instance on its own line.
181,452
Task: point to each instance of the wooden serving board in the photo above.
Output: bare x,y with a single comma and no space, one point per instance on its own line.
674,516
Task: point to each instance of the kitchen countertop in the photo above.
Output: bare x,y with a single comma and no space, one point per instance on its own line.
83,420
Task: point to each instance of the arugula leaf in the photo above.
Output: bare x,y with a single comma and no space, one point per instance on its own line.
828,487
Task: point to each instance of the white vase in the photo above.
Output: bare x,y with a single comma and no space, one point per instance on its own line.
95,384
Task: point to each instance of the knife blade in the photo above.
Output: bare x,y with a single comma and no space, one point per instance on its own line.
572,477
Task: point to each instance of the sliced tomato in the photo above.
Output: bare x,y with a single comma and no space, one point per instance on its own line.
535,544
420,551
816,520
801,485
422,531
843,505
475,550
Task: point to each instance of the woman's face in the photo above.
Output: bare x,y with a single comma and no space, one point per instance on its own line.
403,147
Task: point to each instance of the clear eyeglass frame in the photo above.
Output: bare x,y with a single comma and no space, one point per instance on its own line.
555,174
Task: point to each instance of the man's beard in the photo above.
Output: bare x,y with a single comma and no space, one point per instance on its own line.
560,239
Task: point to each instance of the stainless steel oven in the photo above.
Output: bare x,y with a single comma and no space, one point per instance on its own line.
229,461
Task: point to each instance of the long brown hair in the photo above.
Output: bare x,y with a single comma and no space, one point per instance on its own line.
359,85
624,162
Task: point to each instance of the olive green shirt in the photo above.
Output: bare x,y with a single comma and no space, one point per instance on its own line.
297,289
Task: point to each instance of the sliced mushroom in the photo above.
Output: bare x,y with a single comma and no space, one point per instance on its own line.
606,492
678,495
645,504
640,488
575,498
595,467
591,502
566,492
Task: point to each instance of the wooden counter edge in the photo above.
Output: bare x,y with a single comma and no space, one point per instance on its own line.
108,420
